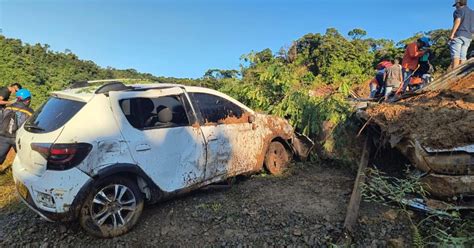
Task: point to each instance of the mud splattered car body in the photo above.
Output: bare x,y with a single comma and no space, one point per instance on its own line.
98,154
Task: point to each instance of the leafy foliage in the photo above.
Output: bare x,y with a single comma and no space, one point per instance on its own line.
306,83
437,228
42,70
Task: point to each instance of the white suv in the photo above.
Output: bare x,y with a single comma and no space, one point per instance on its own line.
98,154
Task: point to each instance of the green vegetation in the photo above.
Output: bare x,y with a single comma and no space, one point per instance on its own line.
43,71
436,228
307,83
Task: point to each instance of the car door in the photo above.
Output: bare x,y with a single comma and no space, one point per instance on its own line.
233,144
172,152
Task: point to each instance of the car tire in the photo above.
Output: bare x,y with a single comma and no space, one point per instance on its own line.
277,158
112,208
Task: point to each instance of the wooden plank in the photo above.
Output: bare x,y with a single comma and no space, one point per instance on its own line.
354,203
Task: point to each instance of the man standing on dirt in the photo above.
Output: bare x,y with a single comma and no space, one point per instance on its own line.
393,78
410,61
461,34
13,117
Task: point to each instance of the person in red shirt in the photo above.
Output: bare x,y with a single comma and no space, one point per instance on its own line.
413,52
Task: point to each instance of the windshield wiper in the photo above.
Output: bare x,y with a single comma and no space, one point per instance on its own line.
31,126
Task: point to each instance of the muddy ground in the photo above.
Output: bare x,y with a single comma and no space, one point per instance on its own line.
305,207
438,119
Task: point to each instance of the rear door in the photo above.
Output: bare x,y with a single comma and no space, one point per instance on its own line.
233,142
172,151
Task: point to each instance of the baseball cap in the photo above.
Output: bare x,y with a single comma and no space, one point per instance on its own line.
464,2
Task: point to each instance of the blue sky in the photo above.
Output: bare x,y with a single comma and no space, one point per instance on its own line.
184,38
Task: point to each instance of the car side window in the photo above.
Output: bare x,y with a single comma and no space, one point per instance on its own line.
217,110
149,113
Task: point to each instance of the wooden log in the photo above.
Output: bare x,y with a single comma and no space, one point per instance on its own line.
354,203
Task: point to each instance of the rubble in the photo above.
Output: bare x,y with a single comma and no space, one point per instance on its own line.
434,129
437,119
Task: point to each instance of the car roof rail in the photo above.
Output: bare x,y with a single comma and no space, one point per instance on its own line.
78,84
112,86
118,85
87,83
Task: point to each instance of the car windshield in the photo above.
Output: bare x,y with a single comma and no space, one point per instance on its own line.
53,115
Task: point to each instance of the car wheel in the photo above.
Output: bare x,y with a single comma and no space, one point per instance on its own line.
277,158
112,208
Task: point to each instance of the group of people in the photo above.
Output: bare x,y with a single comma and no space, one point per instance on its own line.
415,70
12,115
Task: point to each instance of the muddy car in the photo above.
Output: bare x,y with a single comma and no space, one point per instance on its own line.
97,154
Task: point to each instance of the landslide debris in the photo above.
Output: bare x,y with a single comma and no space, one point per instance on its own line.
440,119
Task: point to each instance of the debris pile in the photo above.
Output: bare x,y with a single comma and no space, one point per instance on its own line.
440,119
434,129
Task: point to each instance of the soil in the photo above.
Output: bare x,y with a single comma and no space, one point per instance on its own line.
322,91
304,207
362,90
440,119
463,84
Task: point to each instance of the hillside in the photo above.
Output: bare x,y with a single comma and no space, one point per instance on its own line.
42,70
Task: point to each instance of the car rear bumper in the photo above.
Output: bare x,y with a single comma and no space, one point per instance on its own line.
55,195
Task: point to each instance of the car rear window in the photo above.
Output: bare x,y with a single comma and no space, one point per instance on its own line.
53,115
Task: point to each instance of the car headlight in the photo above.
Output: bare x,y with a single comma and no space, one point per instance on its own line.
45,200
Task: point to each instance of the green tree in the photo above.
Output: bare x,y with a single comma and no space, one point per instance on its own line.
357,34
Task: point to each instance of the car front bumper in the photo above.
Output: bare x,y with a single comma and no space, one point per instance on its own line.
54,195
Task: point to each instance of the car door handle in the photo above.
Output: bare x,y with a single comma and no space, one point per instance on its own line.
142,148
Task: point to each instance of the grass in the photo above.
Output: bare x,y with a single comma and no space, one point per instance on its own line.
8,197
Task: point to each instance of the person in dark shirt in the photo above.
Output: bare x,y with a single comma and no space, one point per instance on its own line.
461,34
14,116
5,93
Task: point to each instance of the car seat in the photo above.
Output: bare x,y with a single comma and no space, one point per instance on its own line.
163,116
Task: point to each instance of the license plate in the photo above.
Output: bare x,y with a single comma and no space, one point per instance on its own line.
22,190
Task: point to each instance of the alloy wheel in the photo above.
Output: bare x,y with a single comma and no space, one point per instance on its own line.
113,206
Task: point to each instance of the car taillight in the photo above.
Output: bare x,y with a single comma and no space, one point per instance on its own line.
62,156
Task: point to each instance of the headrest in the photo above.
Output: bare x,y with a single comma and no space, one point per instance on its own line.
165,115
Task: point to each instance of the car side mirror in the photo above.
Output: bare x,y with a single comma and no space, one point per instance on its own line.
251,118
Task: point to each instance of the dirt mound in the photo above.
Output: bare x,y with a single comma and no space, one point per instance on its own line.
363,89
466,83
438,119
322,91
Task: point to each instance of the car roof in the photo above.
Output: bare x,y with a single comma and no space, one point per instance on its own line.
86,93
